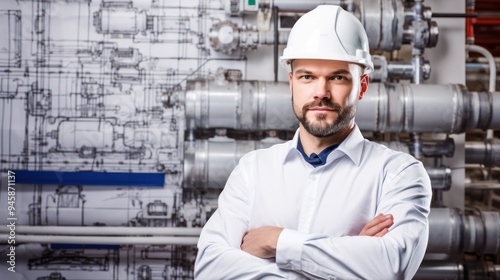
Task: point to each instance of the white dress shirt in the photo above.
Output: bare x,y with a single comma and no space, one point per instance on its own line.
322,210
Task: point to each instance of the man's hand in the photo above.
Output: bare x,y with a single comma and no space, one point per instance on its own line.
261,242
379,226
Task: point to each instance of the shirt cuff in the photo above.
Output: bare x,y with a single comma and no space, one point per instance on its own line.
289,249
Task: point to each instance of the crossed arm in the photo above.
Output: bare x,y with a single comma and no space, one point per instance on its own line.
262,242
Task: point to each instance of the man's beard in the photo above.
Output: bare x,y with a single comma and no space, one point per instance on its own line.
321,128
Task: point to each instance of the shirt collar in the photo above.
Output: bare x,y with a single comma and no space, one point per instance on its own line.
316,159
352,147
292,148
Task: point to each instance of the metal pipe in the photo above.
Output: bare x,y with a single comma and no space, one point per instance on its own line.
418,65
469,22
275,43
491,63
482,270
445,231
384,23
107,230
438,148
493,71
451,232
208,164
268,37
386,107
439,270
243,105
108,240
454,15
454,270
390,107
400,70
486,152
428,148
440,177
479,66
384,20
238,8
300,5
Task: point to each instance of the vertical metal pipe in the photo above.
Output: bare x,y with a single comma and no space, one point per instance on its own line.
275,43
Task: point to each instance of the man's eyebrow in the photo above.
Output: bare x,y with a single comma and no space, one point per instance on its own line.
336,72
302,71
341,71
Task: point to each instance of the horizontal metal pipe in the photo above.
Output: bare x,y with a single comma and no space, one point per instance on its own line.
428,148
413,108
440,270
208,163
107,230
108,240
451,232
422,108
486,152
300,5
480,66
246,105
440,177
454,270
386,107
445,231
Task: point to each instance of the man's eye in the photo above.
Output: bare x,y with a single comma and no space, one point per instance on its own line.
306,77
338,78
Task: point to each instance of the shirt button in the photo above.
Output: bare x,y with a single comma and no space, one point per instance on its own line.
312,177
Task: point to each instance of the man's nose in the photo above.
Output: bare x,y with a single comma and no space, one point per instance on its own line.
323,89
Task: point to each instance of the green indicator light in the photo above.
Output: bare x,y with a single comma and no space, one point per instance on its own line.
251,2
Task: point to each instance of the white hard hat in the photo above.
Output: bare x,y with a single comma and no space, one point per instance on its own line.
328,32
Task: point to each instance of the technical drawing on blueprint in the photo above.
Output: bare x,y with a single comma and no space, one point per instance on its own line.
121,120
93,91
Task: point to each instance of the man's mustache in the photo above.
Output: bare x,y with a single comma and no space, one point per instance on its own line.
322,103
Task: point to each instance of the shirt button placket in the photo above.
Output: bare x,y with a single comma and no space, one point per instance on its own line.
308,203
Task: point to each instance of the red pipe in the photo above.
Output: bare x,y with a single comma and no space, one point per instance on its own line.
487,21
469,27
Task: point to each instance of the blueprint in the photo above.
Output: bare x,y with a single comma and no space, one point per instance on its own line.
96,86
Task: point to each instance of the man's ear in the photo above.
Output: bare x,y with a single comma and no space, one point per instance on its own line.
364,85
290,75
